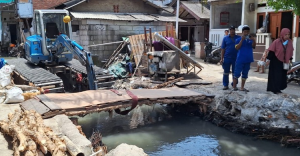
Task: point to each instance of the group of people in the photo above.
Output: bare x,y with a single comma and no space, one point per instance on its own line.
237,54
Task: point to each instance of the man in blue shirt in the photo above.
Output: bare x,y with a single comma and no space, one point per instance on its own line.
228,55
245,46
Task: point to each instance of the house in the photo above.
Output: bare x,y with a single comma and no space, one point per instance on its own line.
196,29
96,22
225,13
11,23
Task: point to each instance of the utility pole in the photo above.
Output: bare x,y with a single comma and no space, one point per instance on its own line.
177,17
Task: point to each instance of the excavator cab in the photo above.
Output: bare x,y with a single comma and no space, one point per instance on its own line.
48,25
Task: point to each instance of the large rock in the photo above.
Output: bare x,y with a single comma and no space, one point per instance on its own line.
126,150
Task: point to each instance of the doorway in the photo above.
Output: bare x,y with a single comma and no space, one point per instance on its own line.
184,33
13,33
287,21
192,40
280,20
275,24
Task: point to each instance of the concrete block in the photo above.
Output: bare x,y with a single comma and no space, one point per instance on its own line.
125,27
98,27
84,21
83,32
161,28
84,38
120,23
74,34
76,38
90,21
91,32
84,43
138,28
113,27
83,27
108,22
117,38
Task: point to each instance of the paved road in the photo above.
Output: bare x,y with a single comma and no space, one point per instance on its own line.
256,82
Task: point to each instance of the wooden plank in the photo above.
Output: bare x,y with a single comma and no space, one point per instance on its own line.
133,48
86,98
49,103
33,104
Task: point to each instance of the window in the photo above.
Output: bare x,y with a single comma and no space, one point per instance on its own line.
75,28
261,5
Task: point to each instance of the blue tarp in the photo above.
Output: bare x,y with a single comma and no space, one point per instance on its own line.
6,1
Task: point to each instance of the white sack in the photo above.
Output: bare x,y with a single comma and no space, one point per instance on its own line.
14,95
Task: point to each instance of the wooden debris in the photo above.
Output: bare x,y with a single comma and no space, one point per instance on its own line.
29,132
163,85
80,130
98,146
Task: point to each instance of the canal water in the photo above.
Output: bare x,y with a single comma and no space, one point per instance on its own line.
179,135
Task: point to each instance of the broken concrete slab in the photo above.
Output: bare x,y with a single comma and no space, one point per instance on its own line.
63,126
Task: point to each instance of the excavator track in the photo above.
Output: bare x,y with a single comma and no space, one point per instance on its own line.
104,78
41,77
36,75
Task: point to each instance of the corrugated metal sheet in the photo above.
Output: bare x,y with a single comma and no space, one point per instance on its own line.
124,17
155,6
196,9
166,18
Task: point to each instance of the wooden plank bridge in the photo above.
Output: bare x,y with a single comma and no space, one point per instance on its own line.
82,103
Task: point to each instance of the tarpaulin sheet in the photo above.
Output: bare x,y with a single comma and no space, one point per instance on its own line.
6,1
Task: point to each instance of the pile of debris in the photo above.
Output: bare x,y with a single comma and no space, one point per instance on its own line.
30,136
11,93
263,115
144,83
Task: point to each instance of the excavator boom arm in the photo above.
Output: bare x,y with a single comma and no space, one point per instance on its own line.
62,42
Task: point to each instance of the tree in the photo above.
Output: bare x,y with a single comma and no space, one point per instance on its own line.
285,5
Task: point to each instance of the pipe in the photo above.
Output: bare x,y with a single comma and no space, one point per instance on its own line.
105,44
177,14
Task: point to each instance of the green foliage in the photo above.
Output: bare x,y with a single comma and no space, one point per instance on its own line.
285,5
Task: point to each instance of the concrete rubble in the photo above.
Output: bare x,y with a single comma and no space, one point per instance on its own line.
264,115
126,150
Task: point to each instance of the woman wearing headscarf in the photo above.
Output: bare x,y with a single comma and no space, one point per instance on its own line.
280,53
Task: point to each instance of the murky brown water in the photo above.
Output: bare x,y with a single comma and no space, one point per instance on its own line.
179,136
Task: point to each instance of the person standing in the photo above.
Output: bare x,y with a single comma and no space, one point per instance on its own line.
245,46
228,55
226,33
280,53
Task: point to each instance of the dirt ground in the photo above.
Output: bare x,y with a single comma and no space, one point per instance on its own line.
255,83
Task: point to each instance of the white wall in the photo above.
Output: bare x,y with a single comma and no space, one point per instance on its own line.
249,18
235,12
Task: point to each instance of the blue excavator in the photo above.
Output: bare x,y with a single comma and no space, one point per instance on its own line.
50,54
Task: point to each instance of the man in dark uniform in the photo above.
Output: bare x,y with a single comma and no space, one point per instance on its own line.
228,55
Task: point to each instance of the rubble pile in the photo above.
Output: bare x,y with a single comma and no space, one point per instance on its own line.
30,136
11,93
264,115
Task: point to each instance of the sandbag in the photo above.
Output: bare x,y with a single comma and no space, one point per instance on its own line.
5,72
14,95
